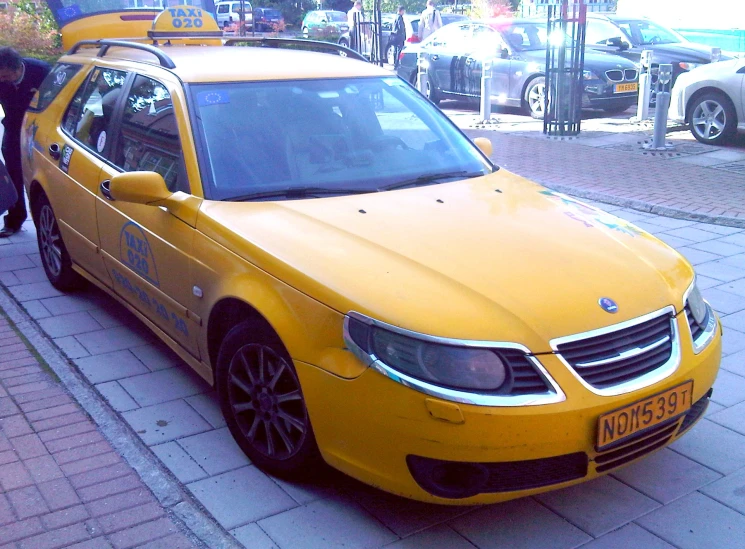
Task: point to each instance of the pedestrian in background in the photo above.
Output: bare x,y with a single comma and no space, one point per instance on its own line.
20,77
430,20
354,17
398,36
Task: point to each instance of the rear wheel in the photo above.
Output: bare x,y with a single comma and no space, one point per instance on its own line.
430,90
54,257
535,97
712,118
263,403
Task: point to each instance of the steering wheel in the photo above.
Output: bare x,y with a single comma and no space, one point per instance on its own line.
384,142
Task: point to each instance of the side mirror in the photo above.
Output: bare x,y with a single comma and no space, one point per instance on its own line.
484,145
504,53
616,42
139,187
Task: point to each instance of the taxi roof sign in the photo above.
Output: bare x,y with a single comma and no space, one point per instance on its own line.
185,22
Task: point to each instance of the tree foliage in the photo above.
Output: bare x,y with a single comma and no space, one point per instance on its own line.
31,31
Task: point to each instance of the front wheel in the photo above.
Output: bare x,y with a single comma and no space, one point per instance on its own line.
54,257
263,403
535,98
713,119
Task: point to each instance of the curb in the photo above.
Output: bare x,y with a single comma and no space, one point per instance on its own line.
199,525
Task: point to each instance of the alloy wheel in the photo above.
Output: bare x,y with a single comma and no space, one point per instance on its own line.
51,242
709,119
537,98
265,398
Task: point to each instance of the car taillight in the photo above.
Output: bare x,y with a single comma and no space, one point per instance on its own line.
401,56
413,39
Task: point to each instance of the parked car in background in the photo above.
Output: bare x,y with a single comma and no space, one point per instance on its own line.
628,37
712,100
229,13
517,48
324,24
268,19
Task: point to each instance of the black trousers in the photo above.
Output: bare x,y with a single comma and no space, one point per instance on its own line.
12,153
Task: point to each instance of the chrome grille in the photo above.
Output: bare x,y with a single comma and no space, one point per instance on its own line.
630,74
614,75
613,357
696,328
525,379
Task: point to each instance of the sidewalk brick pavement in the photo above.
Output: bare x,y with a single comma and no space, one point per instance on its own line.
61,482
653,180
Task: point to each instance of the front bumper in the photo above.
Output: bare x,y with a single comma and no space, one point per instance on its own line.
371,426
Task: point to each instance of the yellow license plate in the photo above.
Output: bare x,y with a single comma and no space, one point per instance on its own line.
623,88
641,415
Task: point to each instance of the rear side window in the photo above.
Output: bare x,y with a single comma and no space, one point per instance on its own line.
91,111
53,84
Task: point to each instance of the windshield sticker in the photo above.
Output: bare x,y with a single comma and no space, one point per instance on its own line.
592,217
135,252
59,78
101,141
219,97
65,157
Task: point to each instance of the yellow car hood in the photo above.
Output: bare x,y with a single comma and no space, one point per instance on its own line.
495,258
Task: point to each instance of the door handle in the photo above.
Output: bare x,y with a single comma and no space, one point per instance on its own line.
55,151
105,191
434,57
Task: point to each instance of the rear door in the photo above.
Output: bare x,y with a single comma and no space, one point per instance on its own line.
446,49
81,144
487,46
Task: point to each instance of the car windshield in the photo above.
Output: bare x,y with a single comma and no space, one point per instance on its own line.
272,13
338,135
336,17
643,32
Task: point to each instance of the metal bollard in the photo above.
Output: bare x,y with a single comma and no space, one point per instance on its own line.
660,115
485,110
421,75
645,86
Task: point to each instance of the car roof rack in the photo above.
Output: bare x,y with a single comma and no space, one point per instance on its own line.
310,45
104,46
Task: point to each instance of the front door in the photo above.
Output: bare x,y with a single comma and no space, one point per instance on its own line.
146,249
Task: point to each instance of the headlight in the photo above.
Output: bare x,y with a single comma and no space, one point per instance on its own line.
689,66
443,365
588,75
698,305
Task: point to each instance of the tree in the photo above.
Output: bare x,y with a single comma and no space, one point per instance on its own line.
32,33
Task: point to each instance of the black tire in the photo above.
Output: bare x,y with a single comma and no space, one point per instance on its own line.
534,97
432,92
343,42
712,118
54,257
263,404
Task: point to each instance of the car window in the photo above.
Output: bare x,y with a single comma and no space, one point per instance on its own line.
646,32
485,39
222,8
453,36
362,133
526,36
57,79
90,114
336,17
598,31
149,138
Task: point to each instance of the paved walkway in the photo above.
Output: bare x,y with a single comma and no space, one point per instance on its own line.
61,482
607,162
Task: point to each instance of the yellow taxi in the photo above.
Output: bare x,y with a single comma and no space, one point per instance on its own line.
357,279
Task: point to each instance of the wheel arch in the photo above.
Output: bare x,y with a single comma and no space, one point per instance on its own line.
702,91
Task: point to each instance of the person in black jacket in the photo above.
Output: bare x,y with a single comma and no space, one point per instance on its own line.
19,79
397,36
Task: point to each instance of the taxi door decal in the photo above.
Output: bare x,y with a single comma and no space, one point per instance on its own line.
135,252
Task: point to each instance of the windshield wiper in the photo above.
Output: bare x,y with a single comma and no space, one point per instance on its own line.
430,178
296,192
